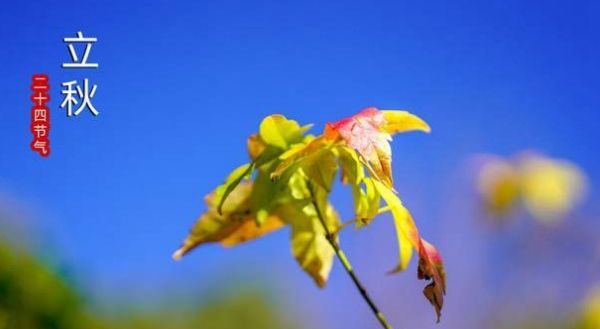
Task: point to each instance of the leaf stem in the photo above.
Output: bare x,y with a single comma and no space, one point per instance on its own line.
354,220
345,262
343,226
383,210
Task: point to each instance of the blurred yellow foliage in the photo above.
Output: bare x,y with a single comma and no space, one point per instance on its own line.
498,184
548,188
590,318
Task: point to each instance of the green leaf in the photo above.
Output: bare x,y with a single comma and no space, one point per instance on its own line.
366,201
261,153
232,181
315,158
352,168
366,196
321,169
267,194
276,130
298,153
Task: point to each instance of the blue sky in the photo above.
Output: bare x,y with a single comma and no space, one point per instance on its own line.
181,85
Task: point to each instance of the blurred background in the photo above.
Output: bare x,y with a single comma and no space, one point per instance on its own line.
86,234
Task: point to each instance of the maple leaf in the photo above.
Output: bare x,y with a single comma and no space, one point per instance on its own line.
369,133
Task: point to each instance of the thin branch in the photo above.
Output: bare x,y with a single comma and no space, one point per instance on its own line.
344,225
354,220
345,262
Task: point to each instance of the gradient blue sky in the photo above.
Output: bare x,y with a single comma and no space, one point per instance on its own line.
181,85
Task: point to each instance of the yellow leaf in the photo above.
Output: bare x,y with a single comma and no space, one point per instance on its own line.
316,160
236,224
313,253
310,247
406,251
250,229
255,146
352,170
403,121
406,230
321,169
366,201
430,262
297,153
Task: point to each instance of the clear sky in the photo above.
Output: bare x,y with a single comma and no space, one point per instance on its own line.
182,84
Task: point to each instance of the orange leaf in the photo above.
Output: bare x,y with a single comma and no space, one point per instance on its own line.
235,225
363,132
369,133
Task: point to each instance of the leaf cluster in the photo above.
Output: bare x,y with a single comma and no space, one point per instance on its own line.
288,180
